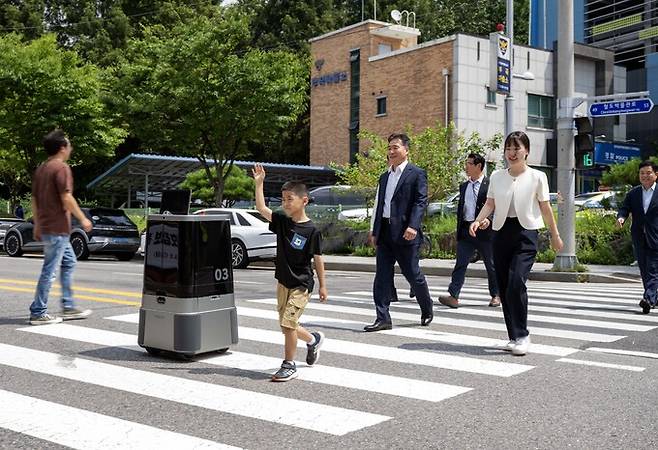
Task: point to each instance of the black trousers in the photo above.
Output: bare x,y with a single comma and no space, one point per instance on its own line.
647,260
388,253
514,250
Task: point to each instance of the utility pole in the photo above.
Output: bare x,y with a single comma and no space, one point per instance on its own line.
566,159
509,98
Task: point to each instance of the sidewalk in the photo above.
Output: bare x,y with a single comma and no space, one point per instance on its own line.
540,271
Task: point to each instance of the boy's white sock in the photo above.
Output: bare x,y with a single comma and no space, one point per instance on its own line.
313,340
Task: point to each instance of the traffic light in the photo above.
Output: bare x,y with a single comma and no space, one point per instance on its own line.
584,147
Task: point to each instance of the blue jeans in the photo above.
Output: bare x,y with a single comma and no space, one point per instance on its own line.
57,251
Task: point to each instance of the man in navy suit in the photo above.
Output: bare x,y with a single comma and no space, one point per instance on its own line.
642,203
472,196
396,231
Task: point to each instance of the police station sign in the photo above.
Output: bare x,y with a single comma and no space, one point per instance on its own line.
500,63
608,153
332,78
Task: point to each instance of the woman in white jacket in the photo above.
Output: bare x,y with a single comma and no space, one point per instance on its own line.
518,197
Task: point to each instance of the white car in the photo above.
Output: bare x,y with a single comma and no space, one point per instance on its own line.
355,214
592,199
251,237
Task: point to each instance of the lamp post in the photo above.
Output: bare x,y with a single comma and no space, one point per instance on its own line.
509,98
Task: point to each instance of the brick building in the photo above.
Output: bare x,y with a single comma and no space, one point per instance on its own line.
375,76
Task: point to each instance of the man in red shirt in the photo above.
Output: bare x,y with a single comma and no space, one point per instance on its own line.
52,206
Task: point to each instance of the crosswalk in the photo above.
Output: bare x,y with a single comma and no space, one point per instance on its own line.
432,366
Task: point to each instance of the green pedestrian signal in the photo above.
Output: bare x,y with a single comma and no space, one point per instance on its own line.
588,159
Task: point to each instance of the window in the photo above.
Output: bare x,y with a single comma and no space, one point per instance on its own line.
541,111
491,96
355,103
258,216
244,222
384,49
381,106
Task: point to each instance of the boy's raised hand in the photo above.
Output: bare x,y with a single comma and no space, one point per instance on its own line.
259,173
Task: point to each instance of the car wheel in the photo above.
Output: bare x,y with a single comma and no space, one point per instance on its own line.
239,254
13,245
125,256
79,247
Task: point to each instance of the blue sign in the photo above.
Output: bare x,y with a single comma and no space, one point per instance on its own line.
502,75
332,78
640,106
608,153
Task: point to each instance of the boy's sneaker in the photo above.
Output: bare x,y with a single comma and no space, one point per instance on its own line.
46,319
313,353
288,371
75,313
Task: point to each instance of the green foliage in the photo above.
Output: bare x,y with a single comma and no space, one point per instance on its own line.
196,88
43,87
624,176
440,150
238,186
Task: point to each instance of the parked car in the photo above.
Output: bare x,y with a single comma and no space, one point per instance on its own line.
594,199
5,224
251,238
448,205
113,234
338,195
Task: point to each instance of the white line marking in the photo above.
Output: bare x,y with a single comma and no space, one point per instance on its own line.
80,429
601,364
298,413
354,379
451,321
438,360
615,351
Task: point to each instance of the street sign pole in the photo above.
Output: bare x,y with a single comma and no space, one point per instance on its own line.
566,159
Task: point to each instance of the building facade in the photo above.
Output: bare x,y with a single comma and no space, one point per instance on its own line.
629,28
375,76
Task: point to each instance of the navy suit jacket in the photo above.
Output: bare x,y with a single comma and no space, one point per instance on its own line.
644,229
483,235
407,205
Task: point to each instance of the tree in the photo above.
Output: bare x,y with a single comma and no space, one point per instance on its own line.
238,186
41,88
197,89
440,151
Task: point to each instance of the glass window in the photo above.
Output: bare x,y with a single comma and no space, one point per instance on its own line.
491,97
381,106
541,111
258,216
384,49
109,217
244,222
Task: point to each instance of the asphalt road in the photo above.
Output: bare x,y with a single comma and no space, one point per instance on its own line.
449,386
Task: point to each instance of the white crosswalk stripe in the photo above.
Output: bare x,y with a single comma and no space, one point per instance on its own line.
577,315
441,361
80,429
450,321
298,413
384,384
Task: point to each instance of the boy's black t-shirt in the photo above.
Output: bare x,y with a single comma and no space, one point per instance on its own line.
296,243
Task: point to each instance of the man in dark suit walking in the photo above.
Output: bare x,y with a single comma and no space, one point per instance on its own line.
642,203
472,196
396,231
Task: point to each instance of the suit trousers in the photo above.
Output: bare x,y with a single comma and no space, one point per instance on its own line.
388,253
647,261
514,250
466,246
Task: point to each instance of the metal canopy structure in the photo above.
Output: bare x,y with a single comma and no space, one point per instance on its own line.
157,173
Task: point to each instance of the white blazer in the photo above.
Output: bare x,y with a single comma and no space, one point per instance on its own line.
529,188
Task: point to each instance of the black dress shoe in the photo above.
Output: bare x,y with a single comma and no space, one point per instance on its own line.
426,320
646,306
378,326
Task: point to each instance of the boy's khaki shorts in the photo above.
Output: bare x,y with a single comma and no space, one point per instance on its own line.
291,304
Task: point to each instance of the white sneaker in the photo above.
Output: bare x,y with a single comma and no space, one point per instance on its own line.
509,346
521,347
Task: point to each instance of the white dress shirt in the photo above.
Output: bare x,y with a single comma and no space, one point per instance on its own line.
525,190
391,184
471,198
646,196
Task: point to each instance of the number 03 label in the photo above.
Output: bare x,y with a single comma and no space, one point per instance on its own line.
222,274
